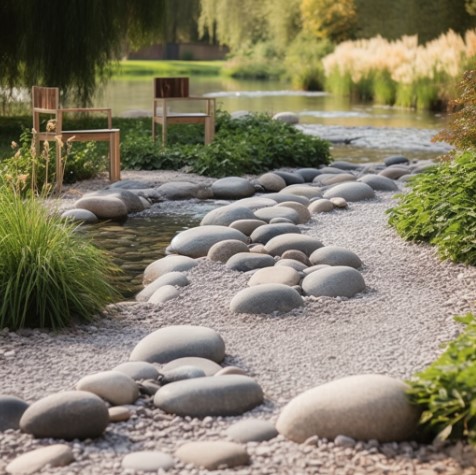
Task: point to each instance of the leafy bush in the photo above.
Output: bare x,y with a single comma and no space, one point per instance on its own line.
49,275
446,390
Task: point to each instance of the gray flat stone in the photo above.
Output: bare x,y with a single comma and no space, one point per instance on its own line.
225,215
279,244
104,207
80,215
232,188
165,265
201,397
148,461
304,214
247,226
379,182
334,281
320,206
264,233
177,341
209,367
119,414
177,279
255,202
252,430
307,190
351,191
293,263
229,370
11,410
137,370
267,214
275,275
245,261
289,177
223,250
308,174
327,179
180,373
396,160
272,182
288,117
164,294
131,200
281,197
394,172
335,256
180,190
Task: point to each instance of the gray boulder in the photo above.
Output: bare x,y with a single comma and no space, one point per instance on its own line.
178,279
148,461
255,202
223,250
351,191
379,182
335,256
362,407
308,191
288,117
80,215
232,188
289,177
320,206
164,294
275,275
209,367
131,200
247,226
252,430
177,341
137,370
267,214
327,179
394,172
104,207
303,212
183,190
11,410
181,373
266,232
396,160
245,261
308,174
56,455
279,244
225,215
334,281
272,182
282,197
165,265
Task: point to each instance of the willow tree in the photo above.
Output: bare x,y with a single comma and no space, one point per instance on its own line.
71,44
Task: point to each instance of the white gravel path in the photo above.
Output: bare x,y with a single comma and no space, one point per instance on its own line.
395,328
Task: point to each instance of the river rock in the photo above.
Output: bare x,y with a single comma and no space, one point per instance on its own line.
181,190
196,242
266,298
104,207
308,174
177,279
289,177
267,214
290,118
363,407
279,244
395,172
320,206
148,461
56,455
379,182
119,414
113,386
245,261
296,255
131,200
339,202
255,202
303,212
11,410
177,341
164,294
213,454
351,191
308,191
180,373
282,197
335,256
232,188
266,232
66,415
223,250
252,430
293,263
165,265
209,367
396,160
229,370
327,179
80,215
277,275
225,215
271,182
200,397
334,281
343,165
138,370
247,226
331,170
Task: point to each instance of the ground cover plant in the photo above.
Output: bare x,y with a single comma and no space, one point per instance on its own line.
446,390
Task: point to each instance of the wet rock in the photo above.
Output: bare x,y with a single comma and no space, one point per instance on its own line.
165,265
66,415
287,117
80,215
266,232
104,207
223,250
252,430
335,281
113,386
335,256
11,410
209,367
279,244
275,275
196,242
267,299
379,182
245,261
56,455
225,215
176,279
363,407
247,226
272,182
267,214
351,191
201,397
232,188
148,461
178,341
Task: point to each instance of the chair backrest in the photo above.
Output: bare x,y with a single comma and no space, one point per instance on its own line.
171,87
45,99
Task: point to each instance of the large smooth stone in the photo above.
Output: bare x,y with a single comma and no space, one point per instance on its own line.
293,263
289,177
267,214
266,298
209,367
104,207
351,191
232,188
335,256
279,244
281,197
271,182
11,410
113,386
222,396
275,275
177,341
196,242
379,182
245,261
213,454
180,373
363,407
223,250
394,172
247,226
165,265
80,215
164,294
336,281
56,455
131,200
308,174
308,191
148,461
328,179
255,202
137,370
396,160
252,430
343,165
288,117
180,190
304,214
225,215
66,415
177,279
264,233
321,206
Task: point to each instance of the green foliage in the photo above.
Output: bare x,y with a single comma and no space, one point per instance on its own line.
49,275
446,390
439,208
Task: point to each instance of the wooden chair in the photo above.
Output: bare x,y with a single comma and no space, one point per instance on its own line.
168,92
45,100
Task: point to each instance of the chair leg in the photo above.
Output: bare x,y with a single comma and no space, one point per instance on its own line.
116,157
59,168
154,129
209,130
164,132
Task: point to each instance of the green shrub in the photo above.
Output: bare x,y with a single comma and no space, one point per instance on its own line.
49,274
446,390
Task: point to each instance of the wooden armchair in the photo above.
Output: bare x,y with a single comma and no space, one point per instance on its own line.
168,93
45,100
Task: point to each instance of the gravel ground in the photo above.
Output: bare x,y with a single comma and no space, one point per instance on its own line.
395,328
